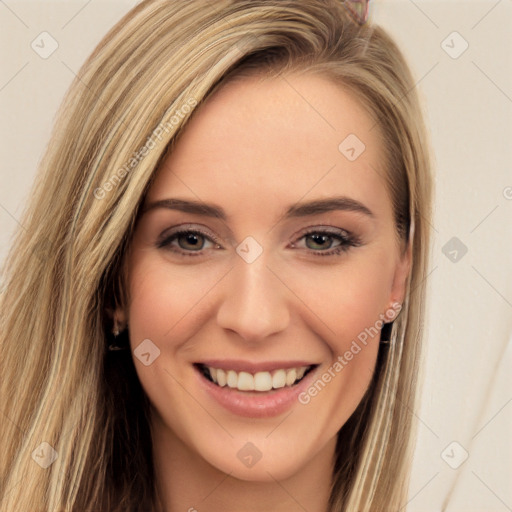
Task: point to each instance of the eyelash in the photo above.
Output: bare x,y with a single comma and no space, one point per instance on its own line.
346,239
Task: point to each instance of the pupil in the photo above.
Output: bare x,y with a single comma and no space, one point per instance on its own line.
319,239
192,240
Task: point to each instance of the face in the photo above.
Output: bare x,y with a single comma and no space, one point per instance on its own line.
276,288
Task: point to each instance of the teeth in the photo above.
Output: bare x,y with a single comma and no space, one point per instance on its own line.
291,376
220,378
279,379
263,381
260,381
232,379
245,381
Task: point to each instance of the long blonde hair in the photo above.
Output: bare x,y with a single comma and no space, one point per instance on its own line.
130,101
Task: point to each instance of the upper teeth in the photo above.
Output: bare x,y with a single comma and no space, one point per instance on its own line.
260,381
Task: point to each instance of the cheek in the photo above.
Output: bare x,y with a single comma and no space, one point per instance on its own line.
164,297
330,306
342,302
168,305
348,299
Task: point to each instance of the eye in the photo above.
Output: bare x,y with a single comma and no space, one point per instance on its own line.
188,242
322,242
318,241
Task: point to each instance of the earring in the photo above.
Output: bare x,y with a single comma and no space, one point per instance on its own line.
385,333
387,328
115,331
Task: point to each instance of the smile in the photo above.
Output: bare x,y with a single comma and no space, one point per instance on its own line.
259,381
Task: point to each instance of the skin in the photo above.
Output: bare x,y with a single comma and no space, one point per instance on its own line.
255,148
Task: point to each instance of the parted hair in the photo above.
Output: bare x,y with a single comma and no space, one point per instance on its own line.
63,275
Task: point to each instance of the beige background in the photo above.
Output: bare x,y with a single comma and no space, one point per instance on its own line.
467,398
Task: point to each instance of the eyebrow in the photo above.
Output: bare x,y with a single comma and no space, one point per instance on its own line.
315,207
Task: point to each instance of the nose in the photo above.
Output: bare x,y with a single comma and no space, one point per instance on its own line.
254,303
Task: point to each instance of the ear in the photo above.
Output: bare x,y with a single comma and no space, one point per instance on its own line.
402,270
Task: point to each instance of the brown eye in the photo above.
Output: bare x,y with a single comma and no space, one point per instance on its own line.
320,242
189,242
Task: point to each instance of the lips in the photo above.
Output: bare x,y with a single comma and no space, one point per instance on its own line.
255,390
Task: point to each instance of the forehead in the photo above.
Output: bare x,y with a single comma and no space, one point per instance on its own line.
274,141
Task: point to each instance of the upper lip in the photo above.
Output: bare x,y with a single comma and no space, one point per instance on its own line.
239,365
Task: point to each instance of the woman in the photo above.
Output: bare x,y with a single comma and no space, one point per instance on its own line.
171,337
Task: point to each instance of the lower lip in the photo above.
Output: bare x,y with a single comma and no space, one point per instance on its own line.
255,404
